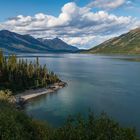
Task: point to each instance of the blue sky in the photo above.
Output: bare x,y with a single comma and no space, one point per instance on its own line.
11,8
83,23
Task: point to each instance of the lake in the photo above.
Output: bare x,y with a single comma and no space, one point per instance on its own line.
96,82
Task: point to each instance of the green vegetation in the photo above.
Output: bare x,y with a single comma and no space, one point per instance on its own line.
19,75
6,95
16,125
128,43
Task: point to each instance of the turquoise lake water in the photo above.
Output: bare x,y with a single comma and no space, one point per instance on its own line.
100,83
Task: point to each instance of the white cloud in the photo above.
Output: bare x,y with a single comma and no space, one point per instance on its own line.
76,25
84,41
106,4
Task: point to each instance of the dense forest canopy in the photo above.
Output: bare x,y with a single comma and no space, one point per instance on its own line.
19,74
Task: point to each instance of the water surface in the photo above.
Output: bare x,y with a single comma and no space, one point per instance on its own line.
101,83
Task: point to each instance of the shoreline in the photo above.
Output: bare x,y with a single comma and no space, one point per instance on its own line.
23,97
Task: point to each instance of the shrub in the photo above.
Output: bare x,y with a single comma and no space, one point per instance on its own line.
16,125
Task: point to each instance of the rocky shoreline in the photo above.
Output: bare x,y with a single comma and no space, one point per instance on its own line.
22,98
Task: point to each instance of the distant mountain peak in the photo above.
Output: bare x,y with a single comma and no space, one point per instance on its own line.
56,38
6,32
58,44
14,42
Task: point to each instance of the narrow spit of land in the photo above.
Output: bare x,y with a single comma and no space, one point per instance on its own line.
29,94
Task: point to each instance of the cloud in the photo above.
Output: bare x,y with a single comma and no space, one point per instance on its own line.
106,4
78,26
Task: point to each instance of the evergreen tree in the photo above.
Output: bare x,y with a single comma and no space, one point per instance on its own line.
19,74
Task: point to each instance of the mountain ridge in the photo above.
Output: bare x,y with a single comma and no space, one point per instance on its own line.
58,44
127,43
11,42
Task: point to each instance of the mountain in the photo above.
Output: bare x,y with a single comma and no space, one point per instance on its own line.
11,42
58,45
128,43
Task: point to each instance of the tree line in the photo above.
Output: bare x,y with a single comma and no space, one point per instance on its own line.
19,74
16,125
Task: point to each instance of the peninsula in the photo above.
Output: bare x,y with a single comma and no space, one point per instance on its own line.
26,79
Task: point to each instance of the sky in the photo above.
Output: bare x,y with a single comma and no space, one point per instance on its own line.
82,23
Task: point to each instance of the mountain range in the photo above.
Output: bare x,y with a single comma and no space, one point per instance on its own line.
128,43
57,44
11,42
